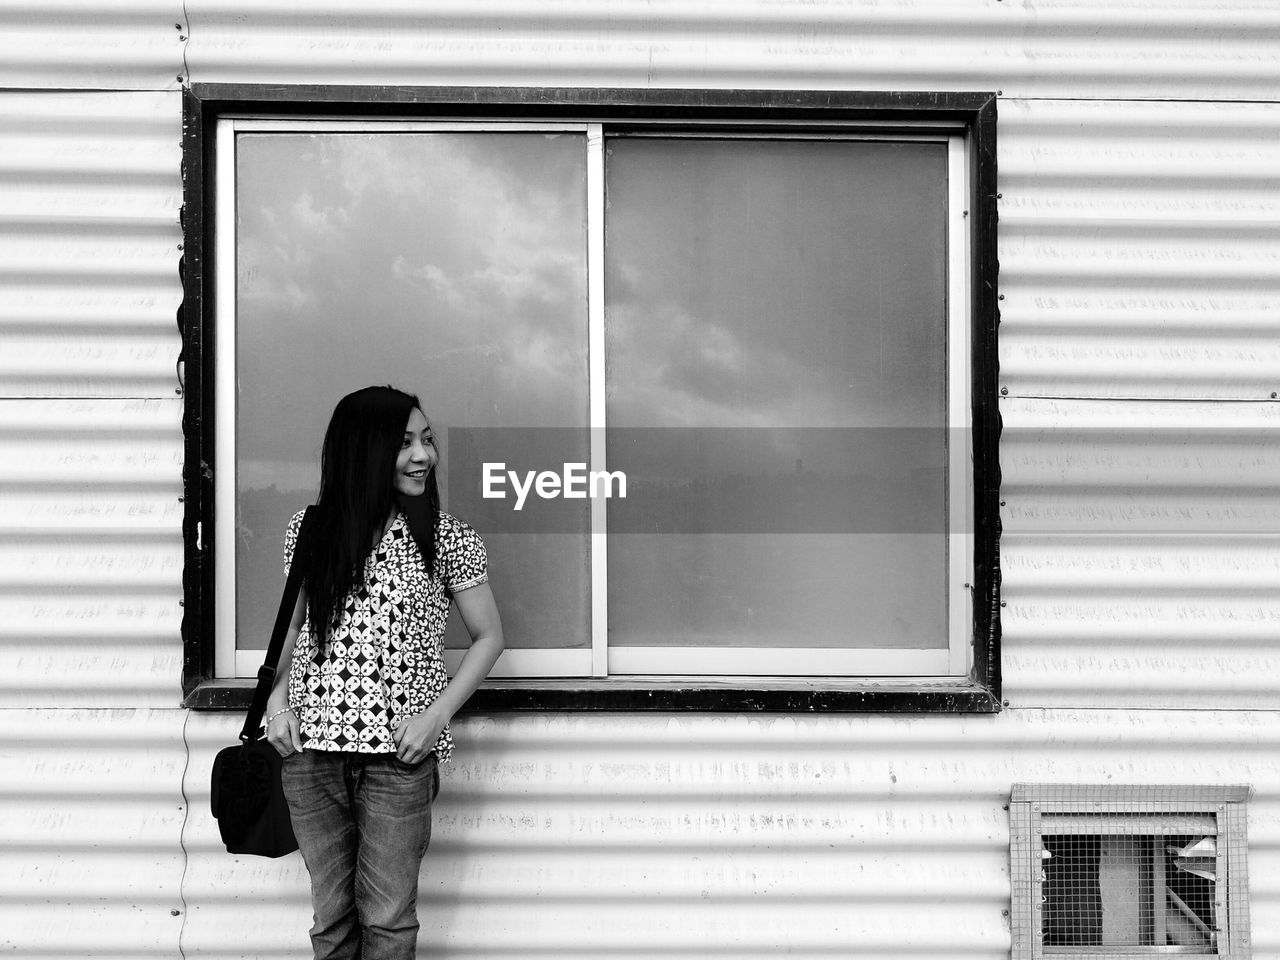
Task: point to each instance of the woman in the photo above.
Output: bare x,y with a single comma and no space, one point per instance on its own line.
362,715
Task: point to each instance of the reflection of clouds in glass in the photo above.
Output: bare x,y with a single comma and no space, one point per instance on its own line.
316,223
380,214
770,283
473,292
452,265
263,283
707,375
431,278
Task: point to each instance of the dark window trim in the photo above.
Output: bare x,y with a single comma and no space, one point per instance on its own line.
204,103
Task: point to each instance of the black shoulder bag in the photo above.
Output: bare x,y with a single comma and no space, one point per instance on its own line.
246,796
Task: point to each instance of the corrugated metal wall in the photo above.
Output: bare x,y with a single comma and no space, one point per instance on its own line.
91,805
1153,49
709,836
1140,350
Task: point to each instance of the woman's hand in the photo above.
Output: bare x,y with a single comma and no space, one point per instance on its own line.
284,733
417,735
283,730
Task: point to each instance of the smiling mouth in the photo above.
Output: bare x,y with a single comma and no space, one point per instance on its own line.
415,474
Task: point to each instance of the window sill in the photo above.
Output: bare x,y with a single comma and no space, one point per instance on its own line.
687,694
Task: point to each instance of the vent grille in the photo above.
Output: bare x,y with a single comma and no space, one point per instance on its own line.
1129,872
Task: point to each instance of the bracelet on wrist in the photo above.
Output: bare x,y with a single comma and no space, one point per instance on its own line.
267,723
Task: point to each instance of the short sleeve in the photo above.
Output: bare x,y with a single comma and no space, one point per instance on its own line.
461,557
291,539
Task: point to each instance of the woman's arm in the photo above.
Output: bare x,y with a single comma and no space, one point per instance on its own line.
417,736
283,732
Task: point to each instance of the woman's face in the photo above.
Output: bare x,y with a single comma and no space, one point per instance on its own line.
417,456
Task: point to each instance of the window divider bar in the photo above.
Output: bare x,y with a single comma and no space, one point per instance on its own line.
596,394
224,441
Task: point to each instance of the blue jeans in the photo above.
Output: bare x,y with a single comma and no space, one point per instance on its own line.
363,822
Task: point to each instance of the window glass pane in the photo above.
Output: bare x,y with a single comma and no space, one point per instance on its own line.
451,265
776,392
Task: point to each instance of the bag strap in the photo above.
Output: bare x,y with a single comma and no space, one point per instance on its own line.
267,672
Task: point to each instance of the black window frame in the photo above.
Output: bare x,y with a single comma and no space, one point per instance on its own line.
203,104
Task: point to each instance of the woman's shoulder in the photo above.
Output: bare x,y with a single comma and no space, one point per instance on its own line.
456,538
461,553
295,524
447,521
447,525
291,536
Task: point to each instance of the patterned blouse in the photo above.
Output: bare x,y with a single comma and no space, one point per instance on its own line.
385,659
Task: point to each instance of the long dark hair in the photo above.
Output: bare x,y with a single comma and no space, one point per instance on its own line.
357,468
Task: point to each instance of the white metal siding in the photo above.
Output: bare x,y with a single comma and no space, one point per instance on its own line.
1140,249
80,44
89,244
582,835
1140,270
1185,49
693,835
1176,49
1138,263
91,812
91,808
91,553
